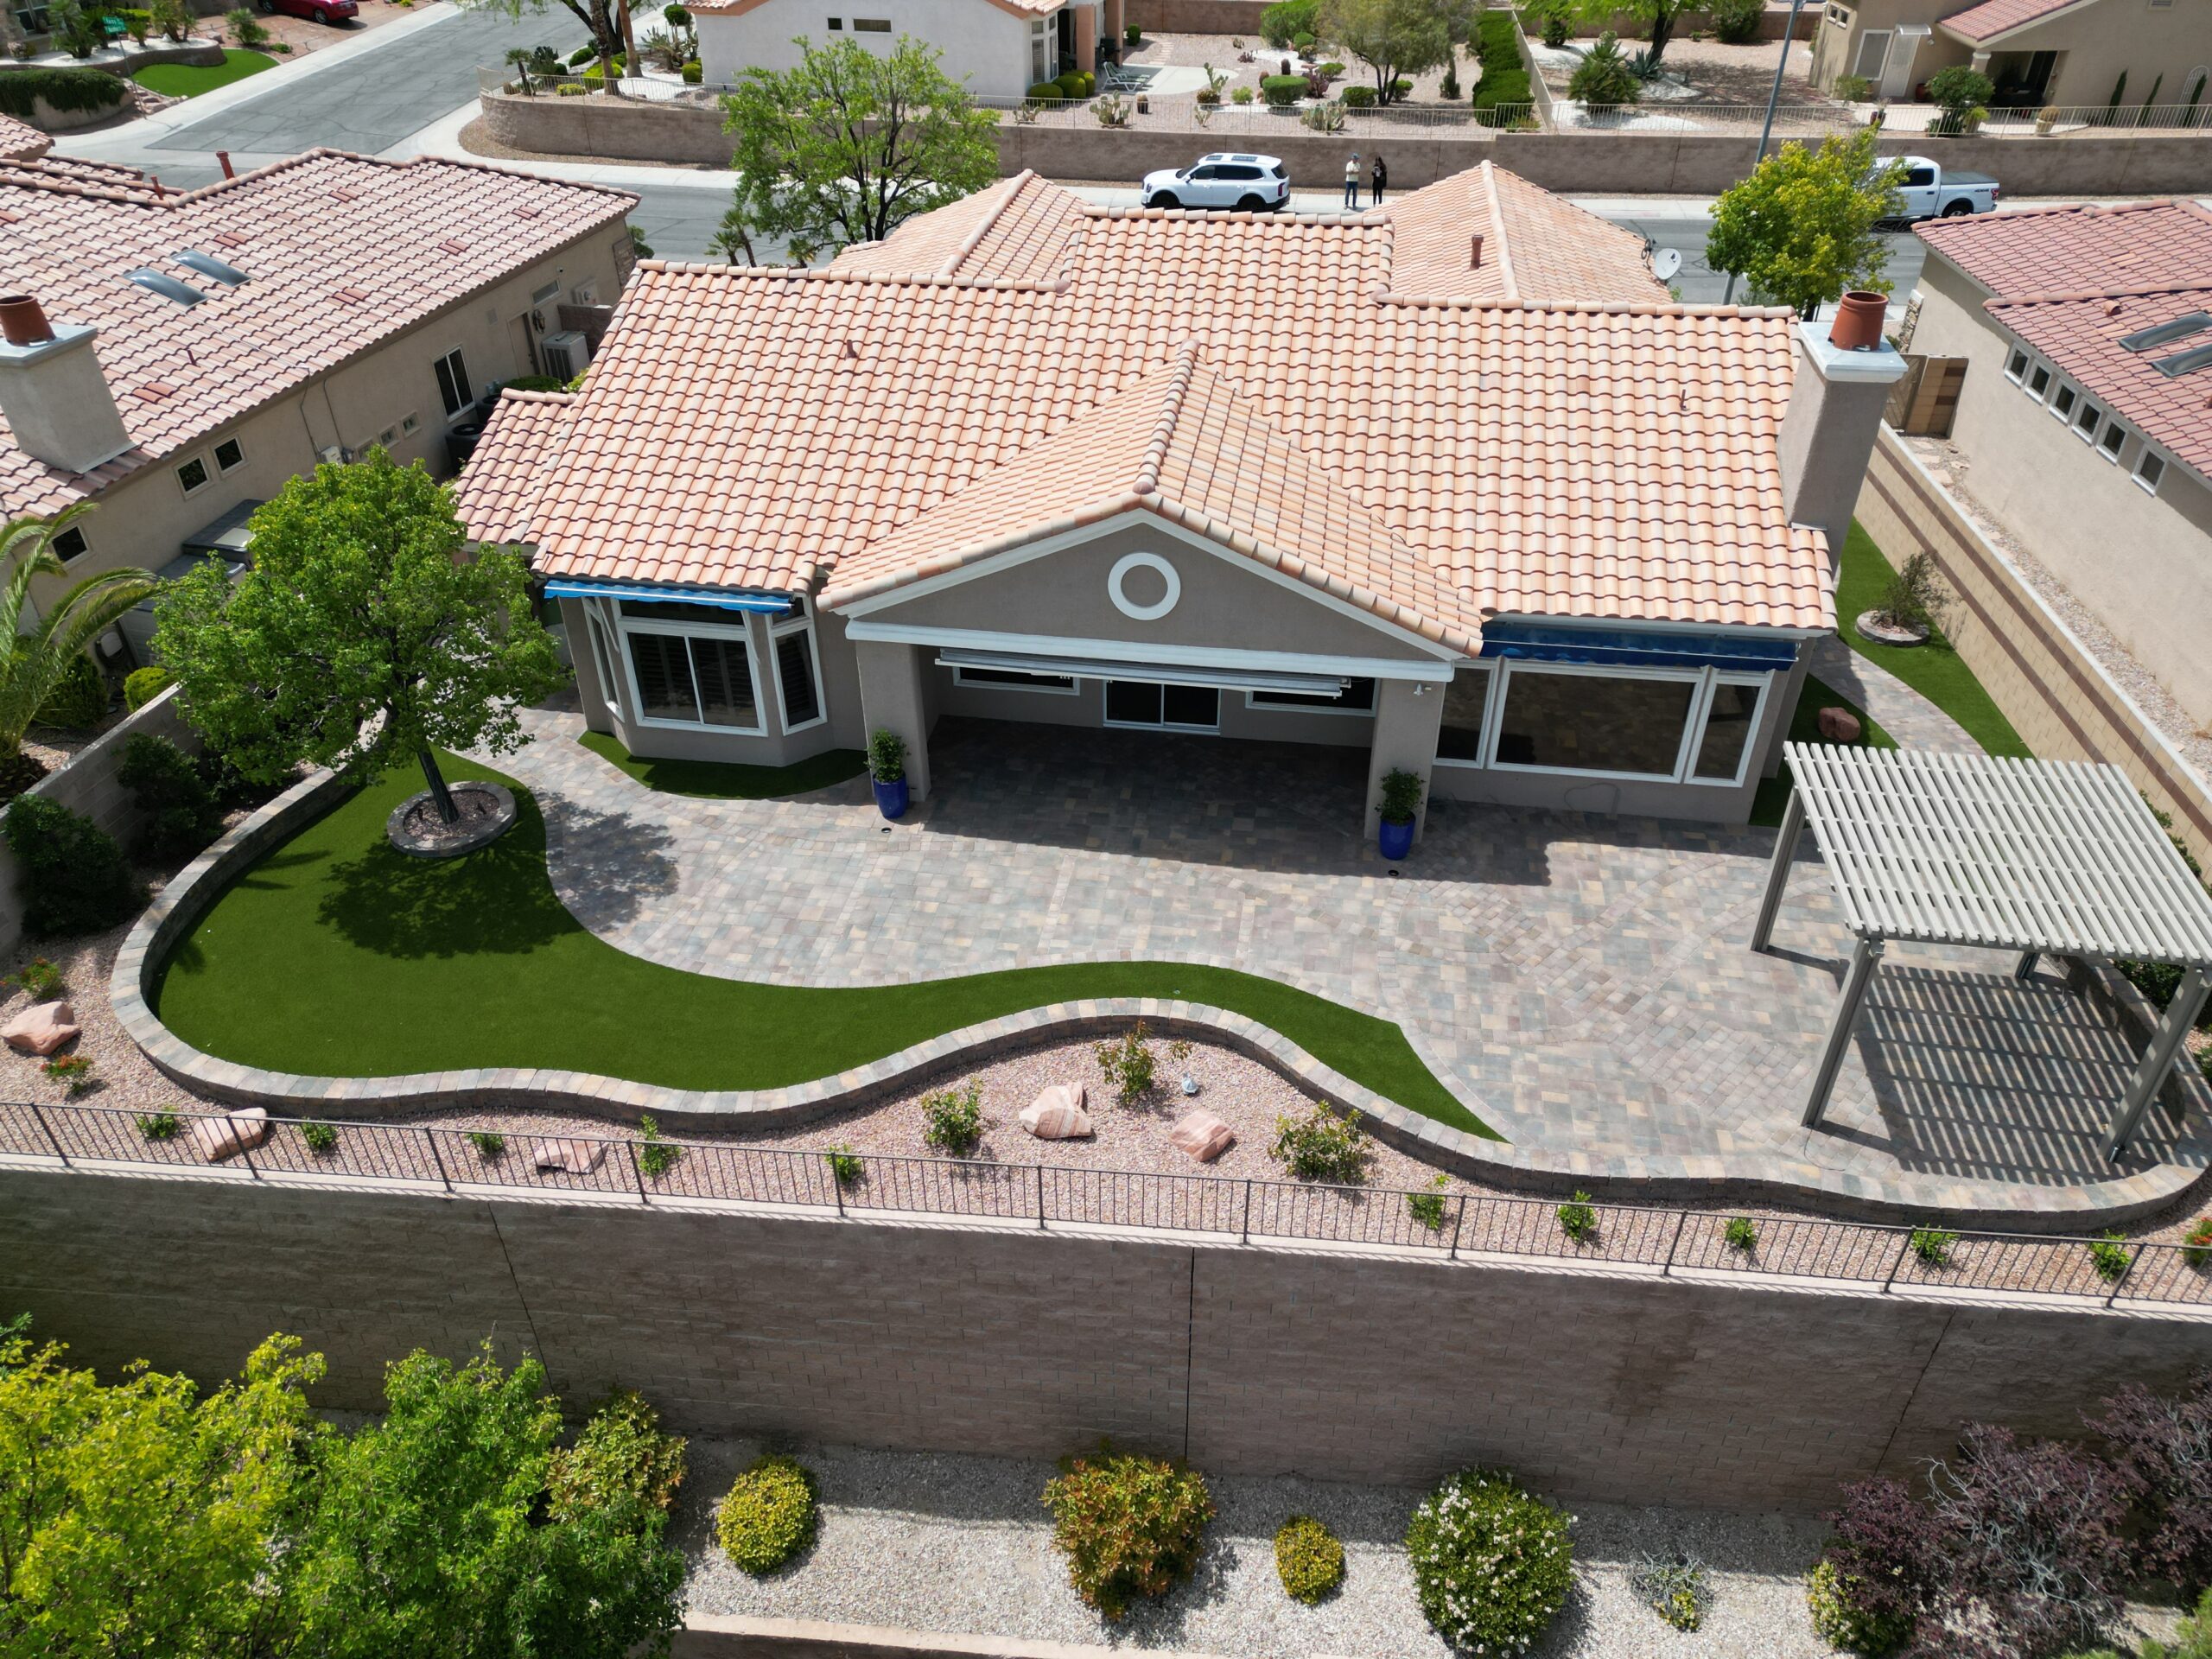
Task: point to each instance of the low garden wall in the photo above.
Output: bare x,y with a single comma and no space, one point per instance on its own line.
713,1636
1339,1363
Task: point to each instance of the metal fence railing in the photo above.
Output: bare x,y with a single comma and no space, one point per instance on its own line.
634,1169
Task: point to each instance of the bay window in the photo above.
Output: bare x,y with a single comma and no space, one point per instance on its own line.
690,665
798,675
1665,725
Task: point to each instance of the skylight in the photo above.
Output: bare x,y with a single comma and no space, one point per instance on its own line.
2144,338
167,287
2184,362
207,265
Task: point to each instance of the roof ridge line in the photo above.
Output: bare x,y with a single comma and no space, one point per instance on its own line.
984,225
2072,297
832,274
1163,430
1499,234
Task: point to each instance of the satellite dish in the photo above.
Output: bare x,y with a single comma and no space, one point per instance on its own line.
1665,263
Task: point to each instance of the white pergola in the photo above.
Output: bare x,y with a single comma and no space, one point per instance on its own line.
2054,857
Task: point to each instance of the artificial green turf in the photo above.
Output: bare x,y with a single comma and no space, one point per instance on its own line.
1805,727
190,79
335,955
724,780
1934,669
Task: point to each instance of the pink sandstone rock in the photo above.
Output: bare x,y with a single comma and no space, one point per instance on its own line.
239,1131
1202,1134
41,1030
1840,726
1057,1114
576,1157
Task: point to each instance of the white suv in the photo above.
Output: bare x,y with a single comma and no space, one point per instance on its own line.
1252,184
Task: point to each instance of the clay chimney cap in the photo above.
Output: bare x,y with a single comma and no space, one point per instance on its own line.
22,320
1858,319
1475,251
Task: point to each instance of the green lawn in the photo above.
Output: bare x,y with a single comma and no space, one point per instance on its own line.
334,955
1805,727
1935,671
190,79
721,780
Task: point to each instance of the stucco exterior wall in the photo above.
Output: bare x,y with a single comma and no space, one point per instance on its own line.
2097,42
2143,563
979,43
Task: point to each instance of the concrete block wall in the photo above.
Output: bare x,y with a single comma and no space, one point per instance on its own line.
999,1340
88,785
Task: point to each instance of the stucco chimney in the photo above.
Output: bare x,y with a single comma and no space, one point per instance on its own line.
1475,251
53,392
1827,433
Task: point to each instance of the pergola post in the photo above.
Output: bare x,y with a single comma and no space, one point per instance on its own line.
2166,1043
1865,955
2025,969
1777,874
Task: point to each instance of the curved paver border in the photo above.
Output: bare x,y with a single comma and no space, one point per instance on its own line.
1751,1178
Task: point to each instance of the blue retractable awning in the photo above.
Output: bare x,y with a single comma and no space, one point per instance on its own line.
1632,648
721,597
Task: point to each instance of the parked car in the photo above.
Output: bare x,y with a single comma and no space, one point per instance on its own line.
1932,191
320,11
1252,184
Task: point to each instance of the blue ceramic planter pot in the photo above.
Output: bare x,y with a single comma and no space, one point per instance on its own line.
890,798
1396,840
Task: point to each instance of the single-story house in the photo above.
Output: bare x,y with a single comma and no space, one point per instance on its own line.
2072,53
2086,334
1000,47
1451,481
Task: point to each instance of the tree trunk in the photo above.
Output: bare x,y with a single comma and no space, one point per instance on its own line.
1662,30
447,812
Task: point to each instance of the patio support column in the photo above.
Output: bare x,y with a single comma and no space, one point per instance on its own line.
894,696
1778,874
1113,14
1865,955
1408,714
1086,38
2166,1046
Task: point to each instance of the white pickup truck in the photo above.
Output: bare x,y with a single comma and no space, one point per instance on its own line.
1930,191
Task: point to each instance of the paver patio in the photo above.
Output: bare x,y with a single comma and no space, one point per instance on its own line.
1582,983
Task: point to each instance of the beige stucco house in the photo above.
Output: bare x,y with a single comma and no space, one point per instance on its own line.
2085,416
204,347
998,48
2040,53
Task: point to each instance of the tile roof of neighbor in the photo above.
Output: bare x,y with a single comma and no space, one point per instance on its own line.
1617,458
1994,17
20,141
308,231
738,7
497,499
2070,282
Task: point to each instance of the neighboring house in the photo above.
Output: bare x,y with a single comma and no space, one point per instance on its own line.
208,345
1451,482
2085,415
2068,52
999,47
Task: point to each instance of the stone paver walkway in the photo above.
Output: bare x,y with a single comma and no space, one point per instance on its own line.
1906,715
1582,983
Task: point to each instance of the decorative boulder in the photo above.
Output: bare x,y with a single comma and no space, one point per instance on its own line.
1057,1114
41,1030
1202,1134
576,1157
1840,726
239,1131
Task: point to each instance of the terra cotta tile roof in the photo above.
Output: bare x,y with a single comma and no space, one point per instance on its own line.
497,492
769,428
1994,17
406,239
20,141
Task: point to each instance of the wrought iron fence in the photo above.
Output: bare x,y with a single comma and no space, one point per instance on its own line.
634,1169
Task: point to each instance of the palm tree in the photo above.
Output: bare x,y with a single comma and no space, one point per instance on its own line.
33,659
520,56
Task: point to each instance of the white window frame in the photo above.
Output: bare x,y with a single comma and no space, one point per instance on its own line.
2037,382
2149,457
1703,679
2088,430
1715,678
1486,740
627,626
1213,730
604,656
1367,713
215,453
2025,360
206,474
84,545
1073,688
2065,397
803,623
2111,452
458,357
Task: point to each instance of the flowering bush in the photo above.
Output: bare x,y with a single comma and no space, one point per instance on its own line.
1129,1526
1309,1558
768,1516
1492,1563
621,1458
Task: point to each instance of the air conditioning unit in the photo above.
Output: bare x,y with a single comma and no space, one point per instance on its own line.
336,454
567,353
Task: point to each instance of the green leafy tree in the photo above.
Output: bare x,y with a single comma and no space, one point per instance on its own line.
362,635
429,1539
38,652
1657,17
849,144
136,1517
1801,229
1391,37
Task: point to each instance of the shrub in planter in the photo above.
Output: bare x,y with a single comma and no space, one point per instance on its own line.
1428,1208
845,1166
769,1514
1333,70
570,89
1492,1563
886,756
2196,1243
1741,1233
1577,1218
1045,92
582,54
489,1143
1282,22
172,17
2110,1256
1309,1560
1962,94
656,1156
1131,35
1241,95
1129,1526
160,1126
621,1458
73,875
320,1137
1402,88
1933,1246
181,812
1832,1597
953,1119
72,1071
1322,1146
1603,79
693,73
1736,22
40,980
142,685
1128,1064
79,700
1357,97
1281,91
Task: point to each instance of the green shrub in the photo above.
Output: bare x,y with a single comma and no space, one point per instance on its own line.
80,699
1736,22
1309,1558
1131,35
768,1516
1285,20
160,1126
1070,85
1577,1219
70,91
1449,90
1677,1591
1492,1563
1603,81
1128,1064
1402,795
2196,1243
489,1143
570,89
1241,94
1933,1245
2110,1256
1402,87
656,1156
1321,1146
845,1166
1357,97
1045,91
142,685
40,980
1333,70
887,756
584,55
694,72
1838,1621
182,813
72,1071
1852,89
246,28
1281,91
1428,1208
953,1119
621,1460
1554,23
1129,1526
1741,1234
320,1137
71,874
137,22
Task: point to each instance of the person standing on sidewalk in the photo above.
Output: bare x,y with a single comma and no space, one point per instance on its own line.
1379,175
1351,180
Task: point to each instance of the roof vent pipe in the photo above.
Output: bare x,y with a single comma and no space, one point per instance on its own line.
22,320
1474,252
